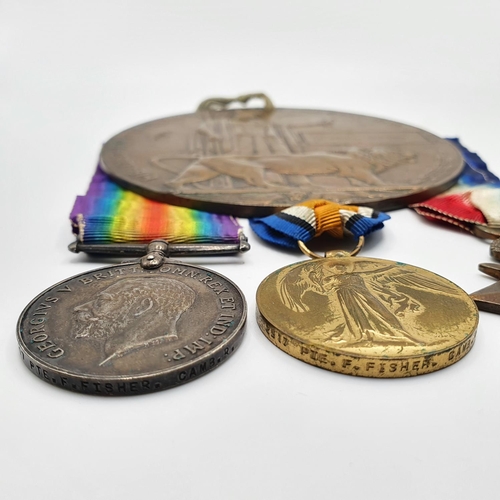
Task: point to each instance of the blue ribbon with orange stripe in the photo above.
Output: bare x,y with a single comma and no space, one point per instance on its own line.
305,221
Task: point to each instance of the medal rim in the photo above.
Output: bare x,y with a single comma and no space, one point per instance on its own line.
234,340
240,209
261,318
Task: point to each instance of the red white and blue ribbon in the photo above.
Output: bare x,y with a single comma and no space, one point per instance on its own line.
473,202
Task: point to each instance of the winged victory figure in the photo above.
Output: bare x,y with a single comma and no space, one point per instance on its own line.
367,300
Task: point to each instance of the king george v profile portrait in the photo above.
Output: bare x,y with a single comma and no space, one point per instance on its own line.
132,314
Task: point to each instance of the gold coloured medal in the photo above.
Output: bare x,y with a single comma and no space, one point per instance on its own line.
367,317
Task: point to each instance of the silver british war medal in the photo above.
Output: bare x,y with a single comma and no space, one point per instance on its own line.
133,328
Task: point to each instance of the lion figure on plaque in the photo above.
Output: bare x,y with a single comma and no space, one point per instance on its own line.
356,166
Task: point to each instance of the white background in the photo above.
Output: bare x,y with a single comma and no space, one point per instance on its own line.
263,425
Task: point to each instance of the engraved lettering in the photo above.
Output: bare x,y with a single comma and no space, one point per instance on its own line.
182,376
121,387
223,321
178,270
40,337
346,363
51,299
283,340
55,353
178,355
218,330
37,329
214,284
99,276
145,384
86,281
206,279
47,345
46,375
466,346
196,347
37,321
227,303
97,387
64,381
203,367
134,386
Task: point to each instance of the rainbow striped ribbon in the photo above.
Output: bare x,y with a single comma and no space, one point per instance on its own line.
110,214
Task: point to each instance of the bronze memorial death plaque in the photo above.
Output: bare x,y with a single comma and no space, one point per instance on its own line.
252,162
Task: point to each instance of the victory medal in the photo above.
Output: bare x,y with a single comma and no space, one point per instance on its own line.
363,316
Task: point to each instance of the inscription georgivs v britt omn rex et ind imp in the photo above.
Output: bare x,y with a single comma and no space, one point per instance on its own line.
128,330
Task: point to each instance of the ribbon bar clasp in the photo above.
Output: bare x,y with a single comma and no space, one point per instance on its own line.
171,249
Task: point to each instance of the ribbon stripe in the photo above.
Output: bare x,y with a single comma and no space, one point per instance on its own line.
311,218
111,214
473,201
